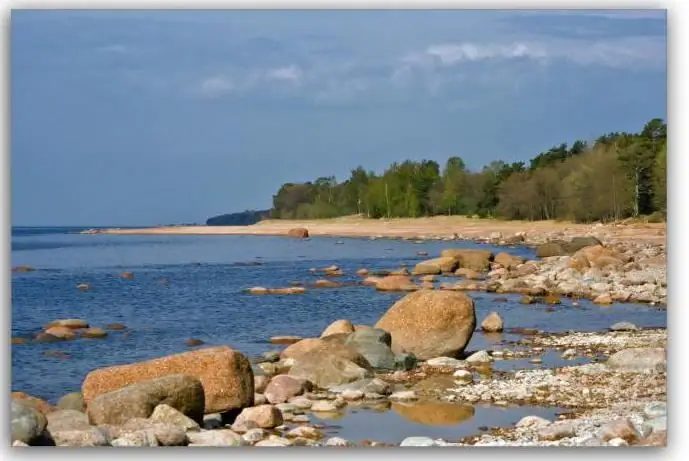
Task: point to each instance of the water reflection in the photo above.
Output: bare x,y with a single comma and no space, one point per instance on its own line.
434,413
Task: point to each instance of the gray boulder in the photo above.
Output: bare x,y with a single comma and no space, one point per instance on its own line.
374,345
639,359
28,425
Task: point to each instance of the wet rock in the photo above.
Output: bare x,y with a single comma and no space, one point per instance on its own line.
404,396
362,272
305,432
327,370
405,362
212,421
619,428
324,406
62,333
603,299
526,299
338,327
28,424
17,340
325,284
139,400
624,326
216,438
552,299
479,357
72,401
225,374
557,431
73,324
430,323
374,345
263,416
436,266
638,360
394,283
93,333
285,339
507,260
469,274
478,260
23,269
281,388
493,323
127,275
463,376
193,342
533,422
371,385
37,404
66,420
298,232
91,437
115,326
164,413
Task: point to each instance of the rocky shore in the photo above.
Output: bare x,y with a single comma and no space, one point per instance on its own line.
414,360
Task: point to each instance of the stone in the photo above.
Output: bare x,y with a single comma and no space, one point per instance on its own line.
371,385
141,438
434,413
301,403
526,299
446,362
285,339
139,400
325,346
306,432
418,442
556,431
37,404
362,272
283,387
338,326
603,299
569,353
478,260
618,442
216,438
404,395
656,439
469,274
164,413
638,359
533,422
463,376
479,357
193,342
93,333
67,420
212,421
327,370
507,260
323,406
624,326
298,232
260,383
19,443
395,283
322,283
127,275
336,442
115,326
264,416
68,323
619,428
28,424
274,442
374,345
436,266
254,435
225,374
165,434
492,323
550,249
430,324
405,362
91,437
62,333
352,394
72,401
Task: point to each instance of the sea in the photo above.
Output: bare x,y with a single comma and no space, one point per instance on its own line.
187,286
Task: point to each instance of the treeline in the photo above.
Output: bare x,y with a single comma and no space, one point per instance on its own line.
244,218
619,175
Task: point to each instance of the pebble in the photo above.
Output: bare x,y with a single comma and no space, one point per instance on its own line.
533,422
463,377
323,406
404,395
352,394
301,403
306,432
446,362
254,435
479,357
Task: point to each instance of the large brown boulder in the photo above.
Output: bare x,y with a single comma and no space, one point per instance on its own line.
337,327
478,260
550,249
507,260
396,283
436,266
596,256
283,387
37,404
181,392
331,345
430,324
298,232
226,375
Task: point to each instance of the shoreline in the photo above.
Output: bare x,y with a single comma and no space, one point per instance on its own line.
439,227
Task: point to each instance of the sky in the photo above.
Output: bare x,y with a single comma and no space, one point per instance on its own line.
158,117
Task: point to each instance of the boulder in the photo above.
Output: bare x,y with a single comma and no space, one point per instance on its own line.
69,323
478,260
467,273
283,387
620,428
331,345
140,438
127,275
430,323
639,359
338,326
374,345
216,438
577,243
260,383
550,249
37,404
23,269
285,339
596,257
362,272
226,376
507,260
72,401
28,424
603,299
93,333
164,413
139,400
263,416
88,437
67,420
492,323
435,266
396,283
327,370
367,386
60,332
326,284
557,431
298,232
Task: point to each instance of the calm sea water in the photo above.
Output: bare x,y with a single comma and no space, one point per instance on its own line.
204,296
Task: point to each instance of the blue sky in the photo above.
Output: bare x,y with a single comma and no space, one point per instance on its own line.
154,117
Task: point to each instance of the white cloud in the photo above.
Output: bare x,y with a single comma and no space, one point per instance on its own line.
216,86
290,74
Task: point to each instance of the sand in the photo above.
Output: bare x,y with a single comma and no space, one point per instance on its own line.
439,226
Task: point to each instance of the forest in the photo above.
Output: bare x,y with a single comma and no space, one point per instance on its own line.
617,176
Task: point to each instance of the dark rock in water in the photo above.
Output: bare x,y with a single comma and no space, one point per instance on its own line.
405,362
18,340
327,369
577,243
93,333
56,354
115,326
193,342
72,401
127,275
84,286
27,423
374,345
181,392
23,269
67,420
46,338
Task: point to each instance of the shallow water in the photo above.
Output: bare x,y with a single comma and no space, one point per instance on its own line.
203,298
